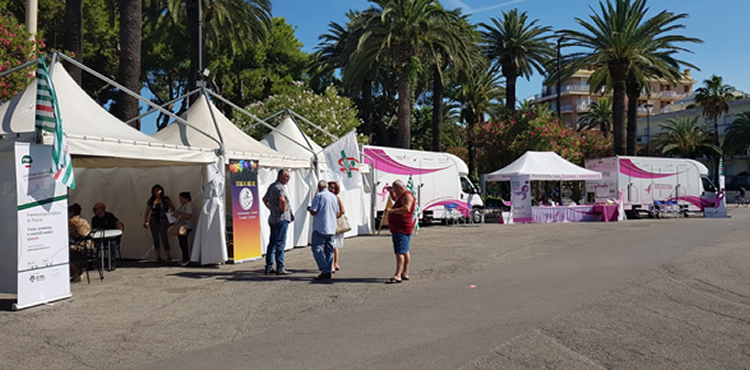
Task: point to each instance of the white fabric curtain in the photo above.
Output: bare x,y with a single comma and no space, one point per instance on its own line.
209,246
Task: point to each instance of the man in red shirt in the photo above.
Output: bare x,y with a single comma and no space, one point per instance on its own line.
401,223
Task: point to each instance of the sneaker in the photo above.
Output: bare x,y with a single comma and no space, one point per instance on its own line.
184,263
283,272
323,276
269,272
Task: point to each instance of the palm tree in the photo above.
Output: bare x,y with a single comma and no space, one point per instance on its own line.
738,135
230,24
476,92
599,116
130,58
713,97
73,40
684,137
517,47
402,37
619,37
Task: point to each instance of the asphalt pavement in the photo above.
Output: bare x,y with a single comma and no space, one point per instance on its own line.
657,294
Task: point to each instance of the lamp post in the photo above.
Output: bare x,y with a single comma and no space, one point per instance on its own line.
559,77
648,128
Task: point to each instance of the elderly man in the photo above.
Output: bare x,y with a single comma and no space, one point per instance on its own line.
107,221
401,224
277,202
324,208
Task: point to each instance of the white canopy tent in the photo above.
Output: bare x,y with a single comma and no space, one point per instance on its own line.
113,162
545,166
357,202
238,145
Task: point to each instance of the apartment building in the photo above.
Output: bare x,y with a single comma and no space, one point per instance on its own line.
576,96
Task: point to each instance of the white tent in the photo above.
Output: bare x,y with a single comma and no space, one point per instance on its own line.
357,202
543,166
239,145
113,162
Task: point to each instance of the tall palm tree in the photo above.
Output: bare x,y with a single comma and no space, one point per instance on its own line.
714,97
476,92
458,51
518,47
599,116
73,40
618,37
228,24
738,135
130,58
684,137
402,37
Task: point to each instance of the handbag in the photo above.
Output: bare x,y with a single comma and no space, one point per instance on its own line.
342,225
178,228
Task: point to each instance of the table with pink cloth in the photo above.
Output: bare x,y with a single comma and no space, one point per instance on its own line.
583,213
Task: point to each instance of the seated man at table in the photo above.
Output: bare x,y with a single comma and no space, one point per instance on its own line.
106,221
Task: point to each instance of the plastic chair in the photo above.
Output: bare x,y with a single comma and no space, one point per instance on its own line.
89,257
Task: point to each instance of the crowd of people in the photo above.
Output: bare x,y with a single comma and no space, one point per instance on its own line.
329,226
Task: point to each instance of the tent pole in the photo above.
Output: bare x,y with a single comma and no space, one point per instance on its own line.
216,124
133,94
307,141
235,106
313,125
163,105
265,119
16,68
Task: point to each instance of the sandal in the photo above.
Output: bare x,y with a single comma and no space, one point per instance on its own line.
393,281
405,278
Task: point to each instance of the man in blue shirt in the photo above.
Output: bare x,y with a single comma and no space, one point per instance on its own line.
324,208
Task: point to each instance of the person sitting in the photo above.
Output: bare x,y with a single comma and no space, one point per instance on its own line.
78,230
107,221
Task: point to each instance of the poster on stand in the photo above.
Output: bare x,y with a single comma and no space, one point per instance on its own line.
720,204
520,188
43,272
243,175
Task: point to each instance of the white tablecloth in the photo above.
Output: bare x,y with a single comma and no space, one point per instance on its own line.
565,214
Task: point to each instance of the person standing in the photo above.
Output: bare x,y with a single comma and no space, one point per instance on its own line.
185,214
155,219
277,202
338,240
324,208
107,221
401,224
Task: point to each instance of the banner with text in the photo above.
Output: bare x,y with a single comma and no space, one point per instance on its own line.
243,175
520,188
43,272
342,158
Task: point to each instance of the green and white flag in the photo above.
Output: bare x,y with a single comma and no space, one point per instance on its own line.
48,120
343,161
415,217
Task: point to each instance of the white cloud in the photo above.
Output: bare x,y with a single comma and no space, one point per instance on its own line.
466,9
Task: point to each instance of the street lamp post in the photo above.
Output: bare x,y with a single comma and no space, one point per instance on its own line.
648,128
559,77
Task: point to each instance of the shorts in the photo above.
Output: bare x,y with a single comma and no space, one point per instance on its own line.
400,243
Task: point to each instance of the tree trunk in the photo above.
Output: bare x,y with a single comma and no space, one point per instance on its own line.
73,41
130,59
193,24
403,131
470,122
437,110
367,109
618,73
509,72
633,92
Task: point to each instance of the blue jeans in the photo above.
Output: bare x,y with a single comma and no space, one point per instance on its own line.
276,244
322,249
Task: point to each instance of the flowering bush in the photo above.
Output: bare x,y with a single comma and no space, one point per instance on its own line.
595,145
334,113
15,49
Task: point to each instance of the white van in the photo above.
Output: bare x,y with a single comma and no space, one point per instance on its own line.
440,180
645,180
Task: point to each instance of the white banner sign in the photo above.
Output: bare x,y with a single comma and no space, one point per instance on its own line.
43,273
343,161
520,189
720,202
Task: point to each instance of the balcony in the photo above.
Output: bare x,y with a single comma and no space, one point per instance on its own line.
566,108
670,95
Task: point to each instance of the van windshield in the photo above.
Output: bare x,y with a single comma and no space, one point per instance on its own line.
466,186
708,185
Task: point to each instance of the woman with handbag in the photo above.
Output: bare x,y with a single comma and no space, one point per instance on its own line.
155,219
342,226
184,216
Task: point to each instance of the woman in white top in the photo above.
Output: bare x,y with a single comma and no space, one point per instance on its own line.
338,239
185,214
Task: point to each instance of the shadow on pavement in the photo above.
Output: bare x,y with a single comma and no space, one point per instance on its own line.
258,275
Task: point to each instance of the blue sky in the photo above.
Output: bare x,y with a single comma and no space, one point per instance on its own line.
721,24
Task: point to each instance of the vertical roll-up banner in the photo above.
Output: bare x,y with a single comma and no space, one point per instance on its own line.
43,272
245,210
520,188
